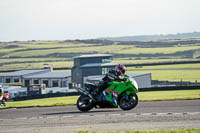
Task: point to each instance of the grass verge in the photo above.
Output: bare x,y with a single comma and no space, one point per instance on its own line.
71,100
169,95
195,130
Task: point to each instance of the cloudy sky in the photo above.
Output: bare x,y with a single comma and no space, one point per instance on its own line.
87,19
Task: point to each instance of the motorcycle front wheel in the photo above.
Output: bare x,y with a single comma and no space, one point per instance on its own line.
84,103
128,102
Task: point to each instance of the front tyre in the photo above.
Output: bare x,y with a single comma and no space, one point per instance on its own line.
84,103
128,102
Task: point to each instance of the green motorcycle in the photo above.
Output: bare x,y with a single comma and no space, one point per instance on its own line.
122,94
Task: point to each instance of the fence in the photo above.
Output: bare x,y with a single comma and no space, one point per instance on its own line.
169,88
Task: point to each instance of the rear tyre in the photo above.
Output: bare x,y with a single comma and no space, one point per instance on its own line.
4,102
84,103
128,102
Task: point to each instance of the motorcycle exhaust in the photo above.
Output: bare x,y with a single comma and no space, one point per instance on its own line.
85,92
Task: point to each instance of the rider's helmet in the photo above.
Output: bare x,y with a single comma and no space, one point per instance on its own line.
120,69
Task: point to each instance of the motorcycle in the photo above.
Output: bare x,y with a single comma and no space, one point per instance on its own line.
4,99
122,94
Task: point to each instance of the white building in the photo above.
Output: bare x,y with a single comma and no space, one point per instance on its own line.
18,76
50,79
43,76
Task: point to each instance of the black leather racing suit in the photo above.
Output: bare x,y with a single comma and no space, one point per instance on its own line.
110,76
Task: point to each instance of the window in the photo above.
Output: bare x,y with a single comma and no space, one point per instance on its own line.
1,80
7,80
36,82
46,82
27,83
63,84
70,86
16,80
55,83
104,71
106,60
79,86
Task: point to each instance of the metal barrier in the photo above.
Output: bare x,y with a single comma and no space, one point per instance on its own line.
166,88
170,88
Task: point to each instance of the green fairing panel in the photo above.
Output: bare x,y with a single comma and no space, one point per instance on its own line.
122,86
119,87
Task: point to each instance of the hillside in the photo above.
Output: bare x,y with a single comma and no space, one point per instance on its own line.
154,37
35,54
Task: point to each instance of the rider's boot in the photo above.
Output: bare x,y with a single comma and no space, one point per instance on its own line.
96,93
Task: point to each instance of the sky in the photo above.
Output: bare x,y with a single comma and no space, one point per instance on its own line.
22,20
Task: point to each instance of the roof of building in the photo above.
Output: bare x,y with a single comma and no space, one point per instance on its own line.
59,74
98,65
22,72
93,55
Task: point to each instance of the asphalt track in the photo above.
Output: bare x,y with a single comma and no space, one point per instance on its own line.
147,115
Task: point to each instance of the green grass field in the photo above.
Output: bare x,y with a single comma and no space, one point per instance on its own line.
42,49
76,49
172,75
175,66
34,54
132,60
143,96
32,59
36,65
68,62
34,51
170,72
169,95
165,50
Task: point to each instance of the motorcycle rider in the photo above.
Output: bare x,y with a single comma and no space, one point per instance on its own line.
113,75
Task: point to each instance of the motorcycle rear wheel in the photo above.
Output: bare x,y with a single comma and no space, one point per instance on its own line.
3,102
84,103
128,102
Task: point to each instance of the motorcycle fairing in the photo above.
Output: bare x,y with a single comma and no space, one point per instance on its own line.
115,89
